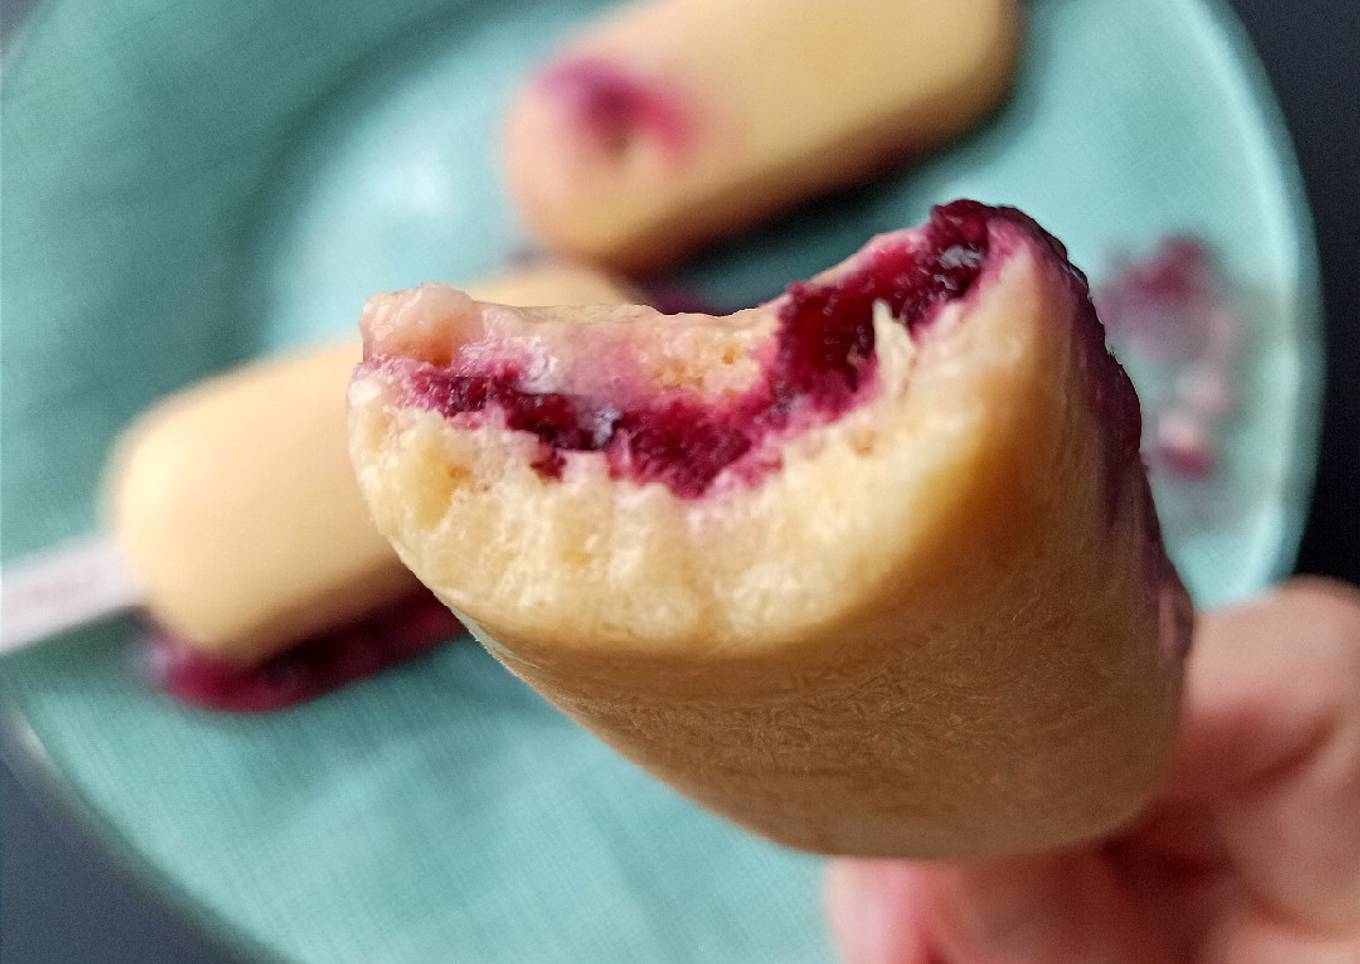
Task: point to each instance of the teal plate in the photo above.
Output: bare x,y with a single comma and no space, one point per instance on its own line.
186,185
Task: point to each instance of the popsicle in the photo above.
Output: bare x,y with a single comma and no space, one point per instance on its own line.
870,569
675,121
236,508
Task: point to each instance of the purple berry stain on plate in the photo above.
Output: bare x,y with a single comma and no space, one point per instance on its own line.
1173,317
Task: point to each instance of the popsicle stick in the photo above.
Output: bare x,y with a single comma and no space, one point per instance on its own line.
72,584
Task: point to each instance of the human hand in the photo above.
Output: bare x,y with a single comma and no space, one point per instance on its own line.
1250,854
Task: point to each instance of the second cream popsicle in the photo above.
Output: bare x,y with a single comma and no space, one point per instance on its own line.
235,505
677,121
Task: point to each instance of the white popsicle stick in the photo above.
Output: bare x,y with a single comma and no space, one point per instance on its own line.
69,585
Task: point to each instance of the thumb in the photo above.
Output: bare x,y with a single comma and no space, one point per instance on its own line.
1270,743
1060,908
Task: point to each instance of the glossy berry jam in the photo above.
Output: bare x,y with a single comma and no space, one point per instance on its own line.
823,357
826,334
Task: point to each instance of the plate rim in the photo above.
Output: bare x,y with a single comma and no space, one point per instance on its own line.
1300,476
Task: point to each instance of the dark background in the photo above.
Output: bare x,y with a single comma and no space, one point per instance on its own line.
61,898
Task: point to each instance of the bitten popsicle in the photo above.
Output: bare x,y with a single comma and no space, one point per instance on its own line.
870,569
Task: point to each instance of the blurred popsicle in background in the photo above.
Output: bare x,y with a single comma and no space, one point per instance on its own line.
237,523
638,142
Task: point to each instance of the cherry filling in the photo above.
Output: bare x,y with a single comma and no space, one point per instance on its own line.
610,105
826,332
314,667
823,357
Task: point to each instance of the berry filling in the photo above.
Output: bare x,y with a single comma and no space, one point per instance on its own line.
313,668
823,357
824,354
611,106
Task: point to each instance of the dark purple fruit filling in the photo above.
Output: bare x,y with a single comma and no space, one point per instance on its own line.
612,106
315,667
823,357
826,332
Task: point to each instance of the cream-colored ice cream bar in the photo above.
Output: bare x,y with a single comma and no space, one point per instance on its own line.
236,507
871,569
680,120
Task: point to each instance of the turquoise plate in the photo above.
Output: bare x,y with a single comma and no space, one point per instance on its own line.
186,185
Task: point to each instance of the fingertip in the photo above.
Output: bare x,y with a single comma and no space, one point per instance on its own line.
1263,678
1321,590
1064,907
870,907
1330,610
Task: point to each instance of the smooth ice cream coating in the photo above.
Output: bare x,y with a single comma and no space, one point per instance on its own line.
823,356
